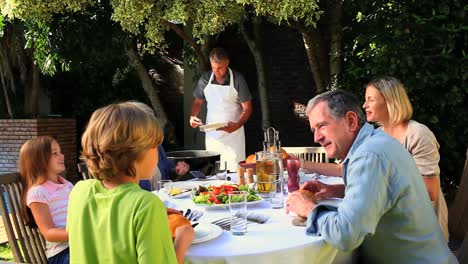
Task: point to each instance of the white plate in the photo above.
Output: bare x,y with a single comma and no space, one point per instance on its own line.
226,206
205,232
210,127
330,201
328,180
183,194
185,185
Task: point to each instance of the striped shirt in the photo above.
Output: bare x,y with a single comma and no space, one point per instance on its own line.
56,197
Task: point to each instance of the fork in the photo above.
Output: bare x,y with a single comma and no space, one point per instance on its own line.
224,223
257,218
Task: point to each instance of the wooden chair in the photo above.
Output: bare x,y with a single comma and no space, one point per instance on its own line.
315,154
458,217
27,243
84,171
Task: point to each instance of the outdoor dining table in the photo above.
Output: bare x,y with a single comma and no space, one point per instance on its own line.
276,241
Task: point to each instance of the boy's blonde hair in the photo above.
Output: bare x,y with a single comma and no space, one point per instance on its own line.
117,135
398,104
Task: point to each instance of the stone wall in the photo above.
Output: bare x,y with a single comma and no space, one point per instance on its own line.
14,132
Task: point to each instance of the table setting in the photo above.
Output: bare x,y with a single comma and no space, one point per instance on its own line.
263,233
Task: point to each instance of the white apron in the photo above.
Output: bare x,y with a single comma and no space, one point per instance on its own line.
223,106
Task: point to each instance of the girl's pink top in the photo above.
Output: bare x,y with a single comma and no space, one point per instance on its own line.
56,197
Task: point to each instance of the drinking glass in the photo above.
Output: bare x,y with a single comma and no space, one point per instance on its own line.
165,187
238,212
292,166
221,172
277,194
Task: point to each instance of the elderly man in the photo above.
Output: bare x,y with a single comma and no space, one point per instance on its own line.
228,101
385,209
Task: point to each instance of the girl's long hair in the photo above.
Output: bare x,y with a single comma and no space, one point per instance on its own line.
33,165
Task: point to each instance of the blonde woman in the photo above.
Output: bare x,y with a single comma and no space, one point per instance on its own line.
387,104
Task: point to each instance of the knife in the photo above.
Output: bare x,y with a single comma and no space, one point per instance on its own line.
181,193
187,213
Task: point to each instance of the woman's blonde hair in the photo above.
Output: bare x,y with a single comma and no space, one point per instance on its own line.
117,135
398,104
33,167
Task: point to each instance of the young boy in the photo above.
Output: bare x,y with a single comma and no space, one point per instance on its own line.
110,218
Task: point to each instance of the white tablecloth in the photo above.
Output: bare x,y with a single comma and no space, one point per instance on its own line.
276,241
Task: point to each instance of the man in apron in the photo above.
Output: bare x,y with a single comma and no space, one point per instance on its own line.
228,101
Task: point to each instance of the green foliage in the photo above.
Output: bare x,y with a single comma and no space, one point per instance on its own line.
285,10
146,16
422,43
45,51
40,9
2,24
6,253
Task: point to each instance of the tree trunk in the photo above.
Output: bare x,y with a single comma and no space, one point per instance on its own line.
202,59
335,13
255,47
316,55
6,74
6,64
150,89
5,92
35,89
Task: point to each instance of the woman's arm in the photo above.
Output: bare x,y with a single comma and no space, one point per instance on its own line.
432,185
41,213
329,169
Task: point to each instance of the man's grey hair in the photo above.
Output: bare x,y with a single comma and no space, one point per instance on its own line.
339,103
219,54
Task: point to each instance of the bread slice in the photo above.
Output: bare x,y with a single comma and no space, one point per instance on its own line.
175,221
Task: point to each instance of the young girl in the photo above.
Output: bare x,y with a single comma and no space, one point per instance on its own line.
44,199
111,219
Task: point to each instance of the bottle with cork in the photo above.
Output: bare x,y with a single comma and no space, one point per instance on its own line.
240,176
250,174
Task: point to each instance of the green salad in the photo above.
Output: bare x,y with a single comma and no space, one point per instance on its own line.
219,194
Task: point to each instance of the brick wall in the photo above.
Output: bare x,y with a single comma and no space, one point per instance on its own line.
14,132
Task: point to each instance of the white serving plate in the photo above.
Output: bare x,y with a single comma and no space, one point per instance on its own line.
329,180
226,206
211,127
205,232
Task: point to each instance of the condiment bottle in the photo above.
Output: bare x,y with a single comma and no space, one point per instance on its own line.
250,176
240,175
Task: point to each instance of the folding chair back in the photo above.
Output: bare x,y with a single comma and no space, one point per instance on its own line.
84,171
27,243
315,154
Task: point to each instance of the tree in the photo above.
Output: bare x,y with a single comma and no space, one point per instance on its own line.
26,24
424,45
321,28
192,21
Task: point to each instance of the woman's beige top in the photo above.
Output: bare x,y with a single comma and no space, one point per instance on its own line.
423,146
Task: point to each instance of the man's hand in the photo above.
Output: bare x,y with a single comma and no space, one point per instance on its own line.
182,167
230,127
195,121
321,190
300,204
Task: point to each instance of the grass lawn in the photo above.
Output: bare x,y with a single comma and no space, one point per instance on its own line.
5,252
